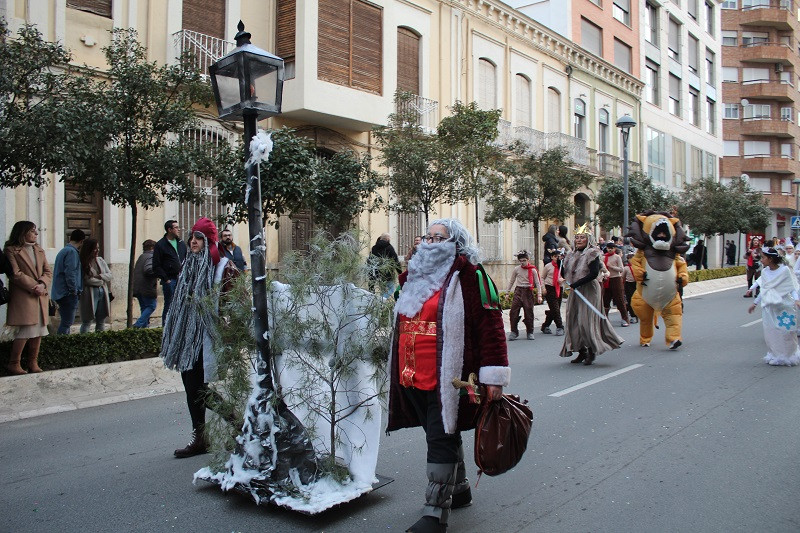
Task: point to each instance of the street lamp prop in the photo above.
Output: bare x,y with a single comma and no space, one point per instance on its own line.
247,85
625,123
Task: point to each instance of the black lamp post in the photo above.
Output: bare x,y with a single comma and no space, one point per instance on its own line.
248,86
625,123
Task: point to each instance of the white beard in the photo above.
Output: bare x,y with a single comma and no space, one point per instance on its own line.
427,271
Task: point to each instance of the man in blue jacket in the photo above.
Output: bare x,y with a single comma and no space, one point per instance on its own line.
68,280
168,256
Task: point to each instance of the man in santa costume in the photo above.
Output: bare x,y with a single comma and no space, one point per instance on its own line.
447,325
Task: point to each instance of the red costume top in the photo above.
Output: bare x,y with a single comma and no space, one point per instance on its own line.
417,347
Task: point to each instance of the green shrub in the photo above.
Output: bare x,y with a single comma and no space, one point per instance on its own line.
69,351
716,273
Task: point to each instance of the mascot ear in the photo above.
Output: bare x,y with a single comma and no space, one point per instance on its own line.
642,218
674,221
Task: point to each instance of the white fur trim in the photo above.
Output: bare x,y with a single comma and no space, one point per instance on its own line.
452,353
495,375
427,272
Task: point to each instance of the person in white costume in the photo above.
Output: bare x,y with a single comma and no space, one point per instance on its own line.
779,301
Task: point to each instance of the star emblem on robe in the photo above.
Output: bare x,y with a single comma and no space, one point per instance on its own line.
785,320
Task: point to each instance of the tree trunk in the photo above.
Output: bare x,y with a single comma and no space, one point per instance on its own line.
131,263
536,243
477,222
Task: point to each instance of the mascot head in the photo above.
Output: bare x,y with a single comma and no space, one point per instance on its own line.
658,231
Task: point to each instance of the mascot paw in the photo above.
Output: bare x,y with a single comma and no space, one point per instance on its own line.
645,345
675,344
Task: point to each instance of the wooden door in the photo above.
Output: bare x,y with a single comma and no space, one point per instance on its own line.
82,213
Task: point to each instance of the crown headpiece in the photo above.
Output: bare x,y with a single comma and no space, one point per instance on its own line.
583,230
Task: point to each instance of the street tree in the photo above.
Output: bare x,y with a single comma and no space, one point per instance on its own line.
531,188
752,209
416,178
44,105
142,153
469,152
643,194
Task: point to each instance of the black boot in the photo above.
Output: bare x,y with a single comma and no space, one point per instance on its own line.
589,357
438,498
581,356
462,495
197,446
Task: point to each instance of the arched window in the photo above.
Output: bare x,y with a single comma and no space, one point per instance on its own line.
408,66
580,119
553,110
581,209
522,103
487,84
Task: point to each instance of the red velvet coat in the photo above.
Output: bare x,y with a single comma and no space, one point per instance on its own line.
484,346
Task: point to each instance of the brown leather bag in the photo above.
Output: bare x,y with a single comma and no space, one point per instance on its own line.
501,435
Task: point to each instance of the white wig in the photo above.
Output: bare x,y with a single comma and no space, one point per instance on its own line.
461,236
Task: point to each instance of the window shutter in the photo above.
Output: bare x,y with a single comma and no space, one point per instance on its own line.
367,47
334,41
98,7
407,60
205,16
487,85
523,101
286,21
350,49
554,110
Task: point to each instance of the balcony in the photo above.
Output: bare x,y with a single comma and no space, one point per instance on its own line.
539,141
777,14
425,109
205,48
610,165
772,127
766,53
779,90
781,201
770,163
505,134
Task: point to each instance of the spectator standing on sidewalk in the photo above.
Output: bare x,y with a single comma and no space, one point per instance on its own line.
29,280
68,280
552,291
145,284
700,255
525,277
413,249
550,240
231,250
753,257
168,257
95,303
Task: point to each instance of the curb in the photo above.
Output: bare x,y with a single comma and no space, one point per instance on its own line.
57,391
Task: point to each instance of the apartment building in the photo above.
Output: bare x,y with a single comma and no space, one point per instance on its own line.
345,60
759,98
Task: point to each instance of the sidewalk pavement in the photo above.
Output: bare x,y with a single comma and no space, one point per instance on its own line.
76,388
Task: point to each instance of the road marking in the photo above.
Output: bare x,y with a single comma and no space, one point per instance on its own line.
753,323
593,381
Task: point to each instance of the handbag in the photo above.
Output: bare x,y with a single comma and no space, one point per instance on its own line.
52,307
501,435
4,295
110,296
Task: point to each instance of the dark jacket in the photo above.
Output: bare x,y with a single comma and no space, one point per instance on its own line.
381,251
166,262
550,243
67,273
236,256
145,281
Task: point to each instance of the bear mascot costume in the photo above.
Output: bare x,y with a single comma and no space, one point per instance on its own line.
659,271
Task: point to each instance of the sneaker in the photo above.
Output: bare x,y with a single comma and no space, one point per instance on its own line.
559,332
546,330
462,499
634,320
530,336
513,336
625,324
675,344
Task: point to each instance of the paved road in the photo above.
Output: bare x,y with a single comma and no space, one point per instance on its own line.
703,439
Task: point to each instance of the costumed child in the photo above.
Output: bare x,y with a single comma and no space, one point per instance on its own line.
779,300
613,288
186,344
588,331
525,277
553,293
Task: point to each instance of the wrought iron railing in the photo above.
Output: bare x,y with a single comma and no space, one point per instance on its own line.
539,141
609,165
205,48
504,132
425,109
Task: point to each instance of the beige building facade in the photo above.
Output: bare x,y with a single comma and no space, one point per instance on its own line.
345,60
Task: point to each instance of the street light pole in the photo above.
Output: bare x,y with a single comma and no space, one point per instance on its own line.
625,123
796,183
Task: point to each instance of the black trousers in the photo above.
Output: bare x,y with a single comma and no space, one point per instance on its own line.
196,393
553,313
630,288
442,447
